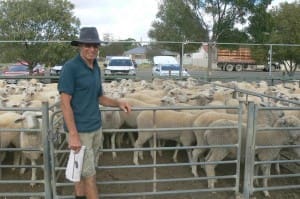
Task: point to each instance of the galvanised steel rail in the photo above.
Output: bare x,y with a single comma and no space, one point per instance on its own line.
56,152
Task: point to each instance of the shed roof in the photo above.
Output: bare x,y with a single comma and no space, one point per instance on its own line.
137,50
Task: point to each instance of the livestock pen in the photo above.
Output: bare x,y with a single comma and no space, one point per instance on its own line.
158,176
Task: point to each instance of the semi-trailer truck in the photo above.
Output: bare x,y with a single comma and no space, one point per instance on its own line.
241,59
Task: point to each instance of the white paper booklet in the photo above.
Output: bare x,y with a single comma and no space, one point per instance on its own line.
74,166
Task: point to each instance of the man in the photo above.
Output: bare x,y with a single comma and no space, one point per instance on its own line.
81,93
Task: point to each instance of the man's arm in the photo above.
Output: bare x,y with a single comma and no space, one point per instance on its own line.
74,140
107,101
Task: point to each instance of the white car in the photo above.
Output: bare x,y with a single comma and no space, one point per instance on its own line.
55,71
165,66
119,67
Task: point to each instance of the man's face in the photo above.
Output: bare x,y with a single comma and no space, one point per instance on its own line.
89,51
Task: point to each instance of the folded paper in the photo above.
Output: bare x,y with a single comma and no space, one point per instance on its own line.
74,166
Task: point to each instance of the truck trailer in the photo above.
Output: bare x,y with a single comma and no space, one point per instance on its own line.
239,60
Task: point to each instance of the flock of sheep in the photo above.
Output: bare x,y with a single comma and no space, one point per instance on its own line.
170,93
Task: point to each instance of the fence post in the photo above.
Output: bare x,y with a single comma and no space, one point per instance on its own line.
46,155
209,61
250,151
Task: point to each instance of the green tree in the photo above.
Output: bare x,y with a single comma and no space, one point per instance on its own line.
286,30
182,20
118,48
202,20
177,22
27,26
260,27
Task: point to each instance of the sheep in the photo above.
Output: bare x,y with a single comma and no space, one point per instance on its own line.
7,121
220,137
163,120
111,120
263,138
15,100
203,120
49,96
29,139
129,119
147,98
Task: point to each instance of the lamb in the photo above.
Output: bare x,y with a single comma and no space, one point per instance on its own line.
263,138
31,139
163,120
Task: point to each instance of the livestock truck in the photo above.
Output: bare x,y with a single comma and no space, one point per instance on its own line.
239,60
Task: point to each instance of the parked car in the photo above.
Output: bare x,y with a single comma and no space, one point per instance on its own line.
165,66
118,67
39,70
55,71
17,69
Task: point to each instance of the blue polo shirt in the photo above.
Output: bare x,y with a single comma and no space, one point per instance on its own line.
84,85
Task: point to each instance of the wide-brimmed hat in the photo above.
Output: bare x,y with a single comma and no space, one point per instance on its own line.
88,35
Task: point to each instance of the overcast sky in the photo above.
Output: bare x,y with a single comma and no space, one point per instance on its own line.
122,19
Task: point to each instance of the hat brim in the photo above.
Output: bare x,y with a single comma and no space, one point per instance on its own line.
77,42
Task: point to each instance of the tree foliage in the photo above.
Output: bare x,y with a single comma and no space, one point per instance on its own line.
203,20
216,20
177,22
118,48
286,30
28,25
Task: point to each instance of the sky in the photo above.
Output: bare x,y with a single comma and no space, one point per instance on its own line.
122,19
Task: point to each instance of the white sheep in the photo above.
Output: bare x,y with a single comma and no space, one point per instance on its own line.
111,120
263,138
205,119
147,98
164,119
7,121
129,119
31,139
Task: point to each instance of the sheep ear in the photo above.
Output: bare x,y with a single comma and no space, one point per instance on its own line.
263,104
282,121
20,119
39,115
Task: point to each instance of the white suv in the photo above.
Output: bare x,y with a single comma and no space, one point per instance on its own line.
119,67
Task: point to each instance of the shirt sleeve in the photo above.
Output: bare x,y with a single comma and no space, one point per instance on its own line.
66,80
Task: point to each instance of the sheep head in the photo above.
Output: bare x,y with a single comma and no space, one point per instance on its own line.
30,119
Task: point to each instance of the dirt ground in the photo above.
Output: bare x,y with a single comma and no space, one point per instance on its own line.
125,158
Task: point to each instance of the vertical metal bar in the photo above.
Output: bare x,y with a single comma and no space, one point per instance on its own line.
209,60
52,153
181,61
238,166
46,155
249,151
270,64
154,153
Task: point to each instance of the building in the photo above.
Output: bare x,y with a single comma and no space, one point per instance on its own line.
139,54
